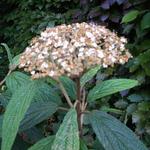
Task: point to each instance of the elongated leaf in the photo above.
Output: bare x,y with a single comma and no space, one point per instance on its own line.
1,122
145,22
44,144
113,134
89,75
70,86
67,137
130,16
109,87
15,80
37,112
8,52
15,112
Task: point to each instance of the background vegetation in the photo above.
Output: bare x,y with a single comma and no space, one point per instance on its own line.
22,20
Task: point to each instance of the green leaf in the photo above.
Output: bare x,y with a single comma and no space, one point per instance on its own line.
135,98
145,22
113,134
1,122
37,112
130,16
15,112
46,93
15,80
144,57
69,86
8,52
83,145
15,61
44,144
67,137
89,75
110,87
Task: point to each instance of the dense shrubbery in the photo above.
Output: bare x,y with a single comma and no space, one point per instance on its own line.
22,20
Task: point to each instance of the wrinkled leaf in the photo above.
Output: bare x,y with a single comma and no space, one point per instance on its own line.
46,93
89,75
110,87
37,112
15,112
15,80
44,144
113,134
67,137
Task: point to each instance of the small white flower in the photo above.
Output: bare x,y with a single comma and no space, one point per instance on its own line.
51,73
100,54
44,65
33,72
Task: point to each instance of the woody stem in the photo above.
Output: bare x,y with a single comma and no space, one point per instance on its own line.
78,107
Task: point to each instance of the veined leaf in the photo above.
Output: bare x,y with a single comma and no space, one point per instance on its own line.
67,137
37,112
44,144
46,93
69,86
109,87
15,80
113,134
15,112
130,16
89,75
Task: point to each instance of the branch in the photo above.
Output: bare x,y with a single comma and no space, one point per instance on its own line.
2,82
65,93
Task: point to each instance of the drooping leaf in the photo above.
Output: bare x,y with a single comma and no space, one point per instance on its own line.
145,22
44,144
110,87
15,112
67,137
89,75
113,134
70,86
130,16
37,112
8,52
15,80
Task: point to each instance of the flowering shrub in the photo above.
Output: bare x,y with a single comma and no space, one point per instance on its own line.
72,49
78,51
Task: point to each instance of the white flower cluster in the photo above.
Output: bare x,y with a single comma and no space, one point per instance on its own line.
72,49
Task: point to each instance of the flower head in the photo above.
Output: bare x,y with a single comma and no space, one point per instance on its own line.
72,49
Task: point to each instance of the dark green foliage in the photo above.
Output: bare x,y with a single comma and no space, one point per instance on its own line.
24,19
